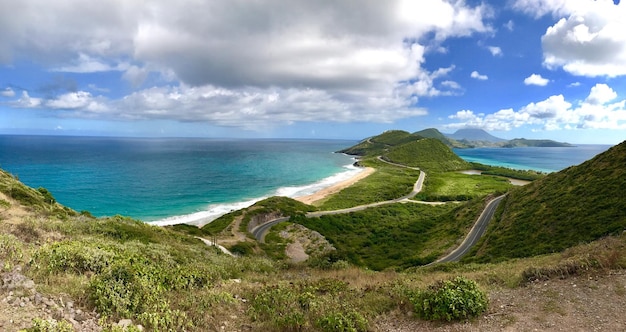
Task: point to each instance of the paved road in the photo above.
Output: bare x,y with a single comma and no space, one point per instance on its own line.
259,231
475,233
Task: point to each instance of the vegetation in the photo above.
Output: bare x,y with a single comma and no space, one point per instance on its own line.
387,183
527,175
165,279
454,299
395,236
453,186
577,205
428,154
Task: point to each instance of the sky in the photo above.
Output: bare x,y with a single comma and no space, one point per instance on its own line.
552,69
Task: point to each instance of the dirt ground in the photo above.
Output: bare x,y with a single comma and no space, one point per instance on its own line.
583,303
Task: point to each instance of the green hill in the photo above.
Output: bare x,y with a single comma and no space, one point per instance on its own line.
377,145
428,154
434,133
411,149
577,205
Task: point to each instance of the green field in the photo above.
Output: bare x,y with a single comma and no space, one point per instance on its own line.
453,186
387,183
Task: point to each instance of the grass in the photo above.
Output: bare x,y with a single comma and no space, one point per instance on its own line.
395,236
453,186
577,205
387,183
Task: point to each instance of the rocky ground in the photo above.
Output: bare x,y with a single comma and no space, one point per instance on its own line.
583,303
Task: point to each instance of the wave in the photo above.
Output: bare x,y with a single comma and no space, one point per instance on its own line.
215,211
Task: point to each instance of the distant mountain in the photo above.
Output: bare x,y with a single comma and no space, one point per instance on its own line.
476,138
543,143
475,135
434,133
576,205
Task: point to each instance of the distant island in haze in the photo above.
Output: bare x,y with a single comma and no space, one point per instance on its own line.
479,138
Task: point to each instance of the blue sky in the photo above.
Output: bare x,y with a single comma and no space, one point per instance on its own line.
313,69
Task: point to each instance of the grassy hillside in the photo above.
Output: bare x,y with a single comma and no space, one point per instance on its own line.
65,271
429,154
434,133
579,204
377,145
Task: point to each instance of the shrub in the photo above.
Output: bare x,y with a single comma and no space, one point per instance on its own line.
454,299
41,325
348,320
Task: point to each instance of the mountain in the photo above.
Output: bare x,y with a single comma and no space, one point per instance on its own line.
475,135
540,143
376,145
428,153
577,205
434,133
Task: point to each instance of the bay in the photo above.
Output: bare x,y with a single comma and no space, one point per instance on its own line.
543,159
172,180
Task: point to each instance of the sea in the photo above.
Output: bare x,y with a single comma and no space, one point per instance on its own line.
195,180
173,180
542,159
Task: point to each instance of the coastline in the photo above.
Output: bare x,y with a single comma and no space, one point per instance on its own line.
335,188
307,194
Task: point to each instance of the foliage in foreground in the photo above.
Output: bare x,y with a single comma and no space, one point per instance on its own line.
454,299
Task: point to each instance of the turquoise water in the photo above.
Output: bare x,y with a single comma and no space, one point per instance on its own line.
538,159
196,180
172,180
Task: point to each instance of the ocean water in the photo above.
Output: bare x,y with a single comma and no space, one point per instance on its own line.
172,180
539,159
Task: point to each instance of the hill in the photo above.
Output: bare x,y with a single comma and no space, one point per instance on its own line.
428,153
475,135
434,133
411,150
540,143
61,270
377,145
577,205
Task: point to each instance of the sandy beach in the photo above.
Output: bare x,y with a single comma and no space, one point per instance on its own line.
310,199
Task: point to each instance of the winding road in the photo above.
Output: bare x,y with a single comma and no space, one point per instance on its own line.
474,234
472,237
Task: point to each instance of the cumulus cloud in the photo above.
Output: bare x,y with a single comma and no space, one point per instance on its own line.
478,76
352,56
7,92
597,111
536,79
588,38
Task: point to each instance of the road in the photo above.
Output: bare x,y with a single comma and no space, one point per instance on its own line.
472,237
259,231
474,234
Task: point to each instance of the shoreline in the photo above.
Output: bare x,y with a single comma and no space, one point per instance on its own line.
335,188
326,188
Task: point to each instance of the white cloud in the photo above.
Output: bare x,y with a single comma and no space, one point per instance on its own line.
574,84
554,113
478,76
601,94
536,79
88,64
26,101
7,92
353,56
495,50
588,38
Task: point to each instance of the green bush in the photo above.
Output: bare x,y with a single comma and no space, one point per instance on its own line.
41,325
454,299
348,321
